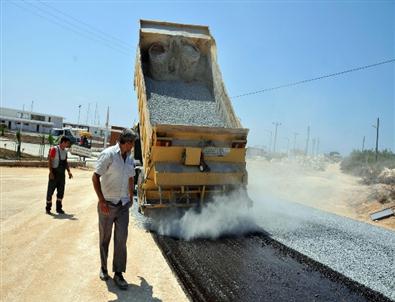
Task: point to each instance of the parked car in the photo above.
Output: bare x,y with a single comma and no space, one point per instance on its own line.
58,132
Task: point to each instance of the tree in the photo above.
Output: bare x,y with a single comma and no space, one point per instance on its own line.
2,129
51,140
19,142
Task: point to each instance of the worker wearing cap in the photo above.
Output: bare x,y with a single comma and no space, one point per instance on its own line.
113,183
57,164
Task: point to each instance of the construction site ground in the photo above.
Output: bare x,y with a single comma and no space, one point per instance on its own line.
56,257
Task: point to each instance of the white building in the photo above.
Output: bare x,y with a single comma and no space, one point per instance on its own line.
95,130
31,121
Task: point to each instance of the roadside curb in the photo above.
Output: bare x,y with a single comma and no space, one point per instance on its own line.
35,163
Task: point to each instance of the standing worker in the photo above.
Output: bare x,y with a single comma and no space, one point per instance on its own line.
57,164
113,183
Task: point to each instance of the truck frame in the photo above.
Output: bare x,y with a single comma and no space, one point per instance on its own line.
186,165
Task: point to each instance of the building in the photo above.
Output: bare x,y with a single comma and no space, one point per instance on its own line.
95,130
31,121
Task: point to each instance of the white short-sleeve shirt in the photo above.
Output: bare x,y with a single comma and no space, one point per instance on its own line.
115,173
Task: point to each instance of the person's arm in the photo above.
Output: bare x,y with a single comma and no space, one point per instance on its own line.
68,170
131,189
97,186
50,159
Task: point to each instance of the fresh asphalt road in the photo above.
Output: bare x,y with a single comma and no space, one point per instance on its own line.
303,255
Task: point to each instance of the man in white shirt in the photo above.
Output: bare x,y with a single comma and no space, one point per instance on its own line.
113,183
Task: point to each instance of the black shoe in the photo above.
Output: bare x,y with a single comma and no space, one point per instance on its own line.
48,207
120,281
104,274
59,211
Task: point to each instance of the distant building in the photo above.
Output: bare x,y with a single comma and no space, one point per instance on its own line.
95,130
31,121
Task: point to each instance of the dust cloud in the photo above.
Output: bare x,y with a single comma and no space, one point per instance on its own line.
226,216
273,187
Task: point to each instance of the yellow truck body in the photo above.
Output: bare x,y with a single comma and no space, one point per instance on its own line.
185,164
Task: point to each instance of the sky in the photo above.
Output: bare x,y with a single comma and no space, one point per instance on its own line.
55,56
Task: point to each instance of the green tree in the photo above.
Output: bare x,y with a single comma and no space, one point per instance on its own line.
18,136
51,140
2,129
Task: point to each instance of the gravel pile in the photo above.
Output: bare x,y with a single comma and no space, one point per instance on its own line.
359,251
181,103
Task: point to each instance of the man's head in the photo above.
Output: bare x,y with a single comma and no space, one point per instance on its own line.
126,140
64,142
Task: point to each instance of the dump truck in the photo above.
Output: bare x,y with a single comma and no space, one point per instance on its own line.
191,145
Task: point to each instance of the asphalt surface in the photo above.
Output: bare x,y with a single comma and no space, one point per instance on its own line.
301,254
360,251
255,268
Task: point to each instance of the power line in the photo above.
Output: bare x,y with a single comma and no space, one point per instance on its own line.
56,20
92,28
77,27
314,79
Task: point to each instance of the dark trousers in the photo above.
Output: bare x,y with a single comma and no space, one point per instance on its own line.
57,183
118,216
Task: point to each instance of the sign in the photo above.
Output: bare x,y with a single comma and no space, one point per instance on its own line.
215,151
80,151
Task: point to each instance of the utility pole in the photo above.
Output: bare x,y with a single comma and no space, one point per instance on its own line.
276,124
318,145
313,148
95,122
22,114
79,114
295,134
106,132
363,143
270,140
306,150
377,136
31,108
87,113
287,146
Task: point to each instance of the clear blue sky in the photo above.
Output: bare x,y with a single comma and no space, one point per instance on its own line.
260,45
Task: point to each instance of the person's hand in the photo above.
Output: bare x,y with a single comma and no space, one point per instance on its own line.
51,175
70,175
104,207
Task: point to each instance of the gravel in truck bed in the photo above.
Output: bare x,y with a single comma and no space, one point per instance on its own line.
182,103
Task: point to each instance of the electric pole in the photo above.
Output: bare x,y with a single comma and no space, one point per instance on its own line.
313,148
95,122
270,140
79,114
363,143
295,134
276,124
287,145
22,116
106,132
306,150
377,136
87,113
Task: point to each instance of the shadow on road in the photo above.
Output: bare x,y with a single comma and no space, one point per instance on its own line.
142,293
64,216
